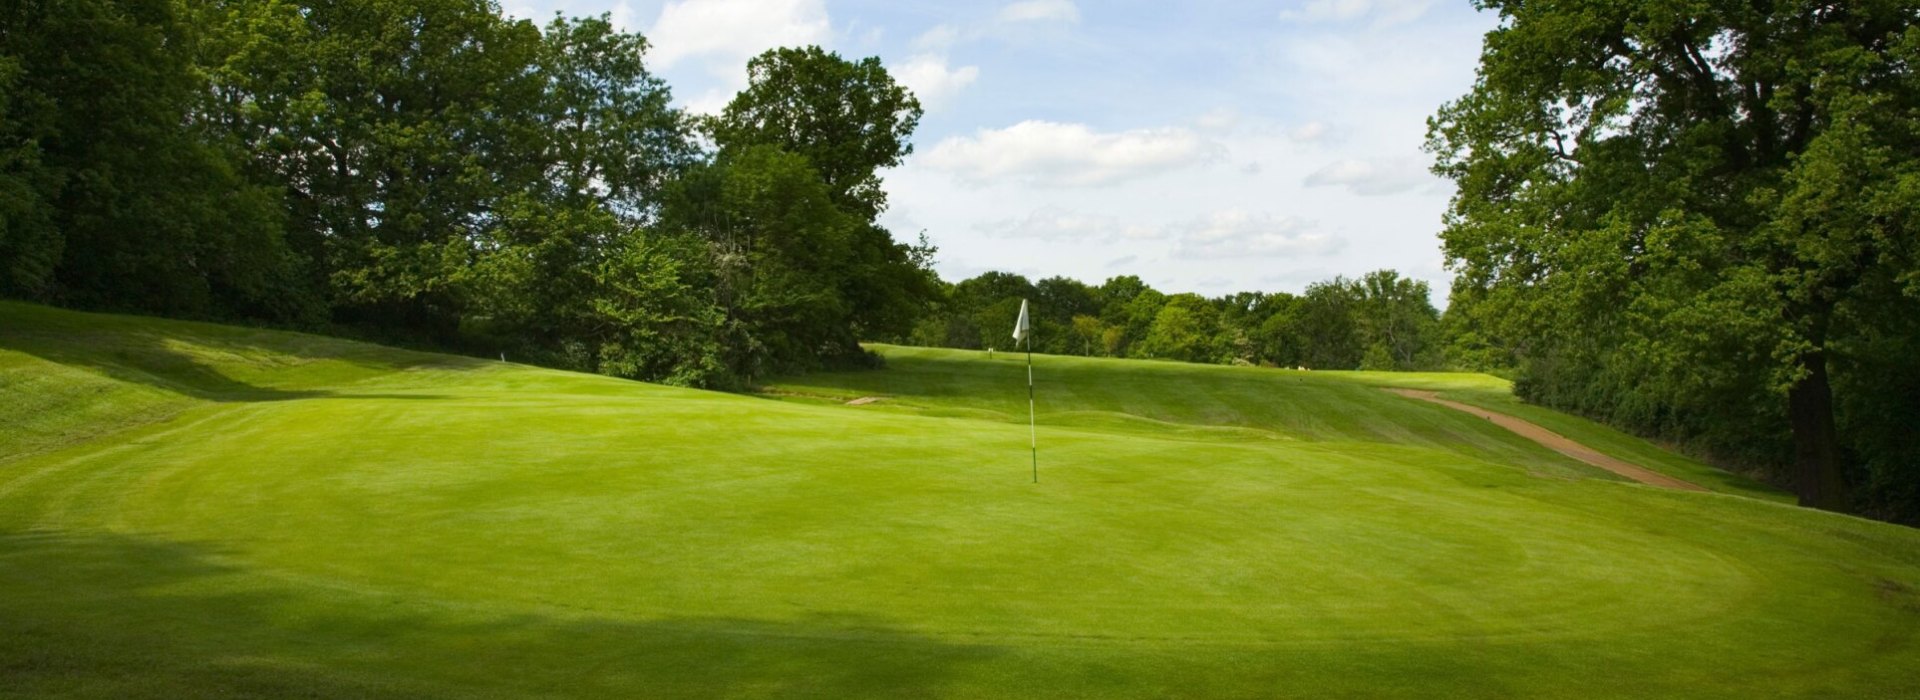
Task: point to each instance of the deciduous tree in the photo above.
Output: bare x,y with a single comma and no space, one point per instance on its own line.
1685,216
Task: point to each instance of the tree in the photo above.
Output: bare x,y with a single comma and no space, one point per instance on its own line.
1325,327
1089,335
1241,315
1685,220
608,142
660,319
780,246
1397,322
610,132
983,304
848,118
1184,329
30,245
1056,301
111,194
395,129
1128,306
1275,340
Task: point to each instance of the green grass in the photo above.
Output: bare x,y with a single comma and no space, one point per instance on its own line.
1496,394
196,511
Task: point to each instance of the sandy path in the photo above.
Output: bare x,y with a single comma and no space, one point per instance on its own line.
1559,443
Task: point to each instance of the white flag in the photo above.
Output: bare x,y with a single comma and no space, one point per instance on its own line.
1020,326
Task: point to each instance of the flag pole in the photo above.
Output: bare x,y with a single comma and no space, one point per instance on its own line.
1023,330
1033,433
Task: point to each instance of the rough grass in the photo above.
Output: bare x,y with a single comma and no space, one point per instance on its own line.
276,515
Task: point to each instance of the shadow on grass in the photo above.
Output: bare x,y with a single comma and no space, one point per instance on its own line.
145,357
99,615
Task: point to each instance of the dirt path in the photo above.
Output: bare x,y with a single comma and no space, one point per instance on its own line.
1558,443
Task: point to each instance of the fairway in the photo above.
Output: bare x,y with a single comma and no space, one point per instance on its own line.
191,510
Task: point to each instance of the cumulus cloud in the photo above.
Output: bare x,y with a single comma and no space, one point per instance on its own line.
1057,224
731,31
1374,178
710,102
932,80
1383,12
1040,11
1070,155
1235,234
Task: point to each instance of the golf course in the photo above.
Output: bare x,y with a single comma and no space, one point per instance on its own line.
195,510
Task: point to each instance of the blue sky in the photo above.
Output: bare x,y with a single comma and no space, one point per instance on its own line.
1205,146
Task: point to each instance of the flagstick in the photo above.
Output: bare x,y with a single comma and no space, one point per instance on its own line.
1022,330
1033,433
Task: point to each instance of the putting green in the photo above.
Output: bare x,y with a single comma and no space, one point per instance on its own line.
195,510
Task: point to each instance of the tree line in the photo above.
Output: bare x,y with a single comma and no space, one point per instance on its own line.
436,173
430,171
1381,321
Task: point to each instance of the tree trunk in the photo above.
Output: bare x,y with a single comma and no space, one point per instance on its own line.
1816,443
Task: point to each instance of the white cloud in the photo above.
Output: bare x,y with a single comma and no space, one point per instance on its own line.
1308,132
1236,234
1040,11
731,31
1055,154
712,101
1056,224
939,38
930,79
1383,12
1218,119
1374,177
621,17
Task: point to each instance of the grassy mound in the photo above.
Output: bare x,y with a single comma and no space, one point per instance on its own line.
192,510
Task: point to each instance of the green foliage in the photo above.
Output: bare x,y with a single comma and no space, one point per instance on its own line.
844,121
1686,221
1335,325
659,320
29,242
111,194
1184,330
848,118
395,129
780,245
1324,325
610,134
1381,321
439,173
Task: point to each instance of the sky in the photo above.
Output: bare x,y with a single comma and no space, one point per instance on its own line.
1207,147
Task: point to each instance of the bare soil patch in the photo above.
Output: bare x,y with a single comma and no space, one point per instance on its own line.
1559,443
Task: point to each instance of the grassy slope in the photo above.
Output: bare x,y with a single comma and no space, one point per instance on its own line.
1496,394
320,518
1320,406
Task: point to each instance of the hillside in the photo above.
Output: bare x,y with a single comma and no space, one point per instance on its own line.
204,511
1182,398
